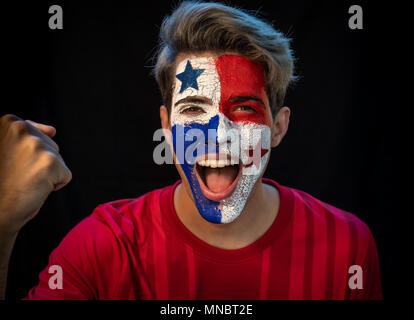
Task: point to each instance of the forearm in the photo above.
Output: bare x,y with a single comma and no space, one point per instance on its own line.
7,241
30,169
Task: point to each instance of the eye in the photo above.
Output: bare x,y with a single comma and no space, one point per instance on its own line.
192,111
244,108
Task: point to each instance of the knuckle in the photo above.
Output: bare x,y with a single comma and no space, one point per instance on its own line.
48,160
18,127
7,118
68,175
65,176
33,143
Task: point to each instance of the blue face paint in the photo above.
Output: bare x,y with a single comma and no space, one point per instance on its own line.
197,147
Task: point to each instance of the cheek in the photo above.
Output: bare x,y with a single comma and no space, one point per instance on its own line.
195,139
254,146
252,135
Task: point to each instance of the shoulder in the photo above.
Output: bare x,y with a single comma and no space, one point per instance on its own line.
338,243
122,212
323,212
117,222
328,224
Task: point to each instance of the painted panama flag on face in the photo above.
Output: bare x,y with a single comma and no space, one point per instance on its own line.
220,122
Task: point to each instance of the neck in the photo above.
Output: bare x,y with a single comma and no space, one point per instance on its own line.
255,219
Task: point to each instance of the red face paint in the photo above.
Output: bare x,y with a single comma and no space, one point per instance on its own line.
242,87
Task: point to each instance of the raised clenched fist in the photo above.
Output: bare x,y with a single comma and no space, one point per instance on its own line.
30,168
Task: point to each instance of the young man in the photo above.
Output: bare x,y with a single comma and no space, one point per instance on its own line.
223,231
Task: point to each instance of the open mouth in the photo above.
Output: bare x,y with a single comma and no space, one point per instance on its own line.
218,178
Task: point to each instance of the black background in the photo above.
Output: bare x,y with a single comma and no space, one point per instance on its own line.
92,81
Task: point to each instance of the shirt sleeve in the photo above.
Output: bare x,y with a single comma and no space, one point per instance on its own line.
70,273
372,289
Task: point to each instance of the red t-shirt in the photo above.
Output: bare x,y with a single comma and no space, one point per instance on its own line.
139,249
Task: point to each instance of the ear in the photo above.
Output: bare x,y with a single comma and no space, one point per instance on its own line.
165,124
165,121
280,126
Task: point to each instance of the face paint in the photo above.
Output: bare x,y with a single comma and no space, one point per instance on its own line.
220,112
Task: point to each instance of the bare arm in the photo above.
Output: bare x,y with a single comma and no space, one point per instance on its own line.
30,169
6,248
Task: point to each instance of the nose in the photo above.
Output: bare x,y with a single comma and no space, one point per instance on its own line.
224,127
228,137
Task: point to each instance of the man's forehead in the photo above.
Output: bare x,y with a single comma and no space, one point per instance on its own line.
209,61
197,62
206,75
196,76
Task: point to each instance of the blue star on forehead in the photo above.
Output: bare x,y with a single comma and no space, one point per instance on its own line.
189,77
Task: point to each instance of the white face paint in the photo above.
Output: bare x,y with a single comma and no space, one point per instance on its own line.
203,99
208,87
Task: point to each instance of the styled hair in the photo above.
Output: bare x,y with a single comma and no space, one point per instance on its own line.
196,27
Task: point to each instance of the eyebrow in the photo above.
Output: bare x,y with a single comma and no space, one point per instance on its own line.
194,99
247,98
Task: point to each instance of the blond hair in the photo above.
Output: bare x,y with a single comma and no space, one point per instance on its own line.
195,27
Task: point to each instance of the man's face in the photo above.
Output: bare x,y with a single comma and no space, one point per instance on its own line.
220,120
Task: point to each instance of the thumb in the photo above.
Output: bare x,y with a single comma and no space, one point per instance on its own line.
48,130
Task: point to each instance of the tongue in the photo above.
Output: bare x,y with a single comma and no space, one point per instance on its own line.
218,180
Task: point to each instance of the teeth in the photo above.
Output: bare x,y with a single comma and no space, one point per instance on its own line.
221,164
214,163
